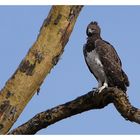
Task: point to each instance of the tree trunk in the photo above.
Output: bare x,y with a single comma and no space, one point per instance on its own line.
37,64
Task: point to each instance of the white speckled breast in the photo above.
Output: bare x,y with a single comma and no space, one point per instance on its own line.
95,65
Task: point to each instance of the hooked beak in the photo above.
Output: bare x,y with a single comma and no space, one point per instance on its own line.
91,31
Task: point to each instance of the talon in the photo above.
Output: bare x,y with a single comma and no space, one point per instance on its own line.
103,87
95,90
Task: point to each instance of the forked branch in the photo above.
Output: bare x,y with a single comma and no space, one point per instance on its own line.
89,101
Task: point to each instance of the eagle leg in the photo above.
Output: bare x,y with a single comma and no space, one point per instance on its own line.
97,90
100,89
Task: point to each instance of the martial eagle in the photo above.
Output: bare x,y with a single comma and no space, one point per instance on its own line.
103,61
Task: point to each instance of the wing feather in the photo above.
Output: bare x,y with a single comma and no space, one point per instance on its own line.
112,64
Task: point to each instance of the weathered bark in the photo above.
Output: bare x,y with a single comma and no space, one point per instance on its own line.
86,102
39,61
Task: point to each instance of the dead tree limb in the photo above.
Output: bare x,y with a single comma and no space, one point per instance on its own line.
84,103
41,58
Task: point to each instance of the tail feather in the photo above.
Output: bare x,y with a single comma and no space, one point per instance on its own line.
126,81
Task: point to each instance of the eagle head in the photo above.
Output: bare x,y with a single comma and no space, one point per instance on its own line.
93,29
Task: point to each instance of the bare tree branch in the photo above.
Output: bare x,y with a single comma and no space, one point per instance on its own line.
86,102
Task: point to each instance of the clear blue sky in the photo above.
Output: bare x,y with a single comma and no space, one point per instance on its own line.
19,27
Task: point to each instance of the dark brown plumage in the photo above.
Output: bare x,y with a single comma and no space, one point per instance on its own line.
103,61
